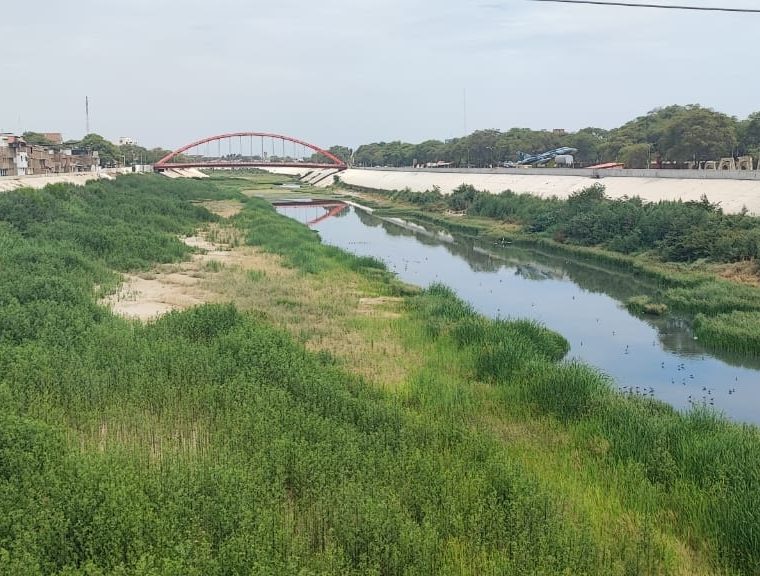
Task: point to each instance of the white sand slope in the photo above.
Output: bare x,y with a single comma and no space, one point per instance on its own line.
733,195
8,183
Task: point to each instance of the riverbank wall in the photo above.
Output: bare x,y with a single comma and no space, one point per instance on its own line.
9,183
733,193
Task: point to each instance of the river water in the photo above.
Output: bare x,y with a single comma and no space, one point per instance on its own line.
658,357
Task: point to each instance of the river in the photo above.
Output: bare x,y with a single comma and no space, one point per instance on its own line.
658,357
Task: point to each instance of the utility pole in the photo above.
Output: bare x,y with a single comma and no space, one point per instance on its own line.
87,114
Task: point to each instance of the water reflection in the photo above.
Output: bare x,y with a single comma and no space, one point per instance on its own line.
581,301
320,210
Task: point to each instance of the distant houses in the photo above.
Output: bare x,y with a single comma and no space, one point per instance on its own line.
20,158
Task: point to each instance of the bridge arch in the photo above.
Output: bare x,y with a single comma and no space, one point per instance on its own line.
179,158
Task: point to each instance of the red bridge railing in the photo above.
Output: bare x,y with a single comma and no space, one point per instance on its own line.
250,149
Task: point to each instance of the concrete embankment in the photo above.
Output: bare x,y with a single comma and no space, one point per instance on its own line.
733,194
184,173
8,183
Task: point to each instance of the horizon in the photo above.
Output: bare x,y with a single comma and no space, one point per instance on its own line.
115,140
339,74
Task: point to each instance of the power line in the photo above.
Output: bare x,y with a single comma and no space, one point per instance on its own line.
661,6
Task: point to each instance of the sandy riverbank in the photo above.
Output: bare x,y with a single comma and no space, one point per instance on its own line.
8,183
733,195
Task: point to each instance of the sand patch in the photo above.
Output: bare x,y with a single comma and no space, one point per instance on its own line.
747,272
223,208
148,295
147,299
201,243
381,306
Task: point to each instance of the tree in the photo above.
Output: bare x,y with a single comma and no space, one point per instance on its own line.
676,132
430,151
370,154
635,155
107,151
749,135
36,139
483,146
341,152
697,133
589,143
134,154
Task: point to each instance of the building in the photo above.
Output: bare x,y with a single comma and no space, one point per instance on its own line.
127,141
18,158
13,159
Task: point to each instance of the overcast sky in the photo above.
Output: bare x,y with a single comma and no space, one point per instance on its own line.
340,72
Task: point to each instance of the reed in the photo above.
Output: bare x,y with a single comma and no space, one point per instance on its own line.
701,467
642,305
734,332
212,442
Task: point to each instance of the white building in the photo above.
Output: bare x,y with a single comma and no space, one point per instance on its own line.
22,163
127,141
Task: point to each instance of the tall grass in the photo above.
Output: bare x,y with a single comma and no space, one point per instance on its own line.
208,442
300,245
715,297
703,469
644,305
733,332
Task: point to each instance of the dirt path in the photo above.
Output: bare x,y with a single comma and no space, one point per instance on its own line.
338,314
178,286
171,286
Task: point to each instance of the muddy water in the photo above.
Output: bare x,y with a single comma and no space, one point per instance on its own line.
653,356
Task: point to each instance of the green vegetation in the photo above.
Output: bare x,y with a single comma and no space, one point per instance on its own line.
678,134
670,242
716,297
109,153
660,459
246,180
673,231
735,331
341,152
37,139
301,245
211,442
644,305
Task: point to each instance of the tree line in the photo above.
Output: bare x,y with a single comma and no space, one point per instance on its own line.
672,231
674,134
110,154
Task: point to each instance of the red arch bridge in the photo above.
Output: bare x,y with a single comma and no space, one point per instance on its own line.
250,150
